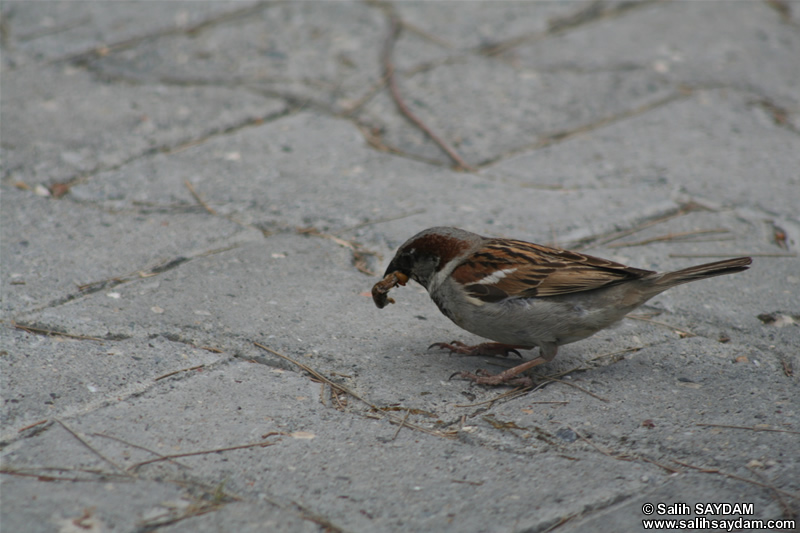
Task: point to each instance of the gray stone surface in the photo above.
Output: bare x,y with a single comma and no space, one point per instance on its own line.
184,180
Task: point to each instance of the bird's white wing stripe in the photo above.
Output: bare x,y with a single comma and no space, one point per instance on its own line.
494,277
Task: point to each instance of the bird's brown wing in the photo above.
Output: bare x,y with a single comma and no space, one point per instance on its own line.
506,268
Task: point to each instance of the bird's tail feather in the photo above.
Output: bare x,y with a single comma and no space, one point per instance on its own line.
707,270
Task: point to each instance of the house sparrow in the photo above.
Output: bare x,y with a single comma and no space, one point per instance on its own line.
524,295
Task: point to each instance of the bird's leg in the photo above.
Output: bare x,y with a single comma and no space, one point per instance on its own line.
487,348
547,353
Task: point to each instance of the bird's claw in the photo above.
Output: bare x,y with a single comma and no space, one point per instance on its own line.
487,348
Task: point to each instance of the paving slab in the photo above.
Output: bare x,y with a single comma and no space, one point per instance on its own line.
464,112
670,40
56,30
286,174
344,467
151,240
196,200
118,123
51,377
724,126
313,56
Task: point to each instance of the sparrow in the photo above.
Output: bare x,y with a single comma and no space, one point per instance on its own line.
524,295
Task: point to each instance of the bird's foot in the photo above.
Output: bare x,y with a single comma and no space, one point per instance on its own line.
487,348
512,376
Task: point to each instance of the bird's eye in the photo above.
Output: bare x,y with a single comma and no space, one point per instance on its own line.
407,259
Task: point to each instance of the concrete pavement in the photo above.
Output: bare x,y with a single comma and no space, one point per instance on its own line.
198,197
